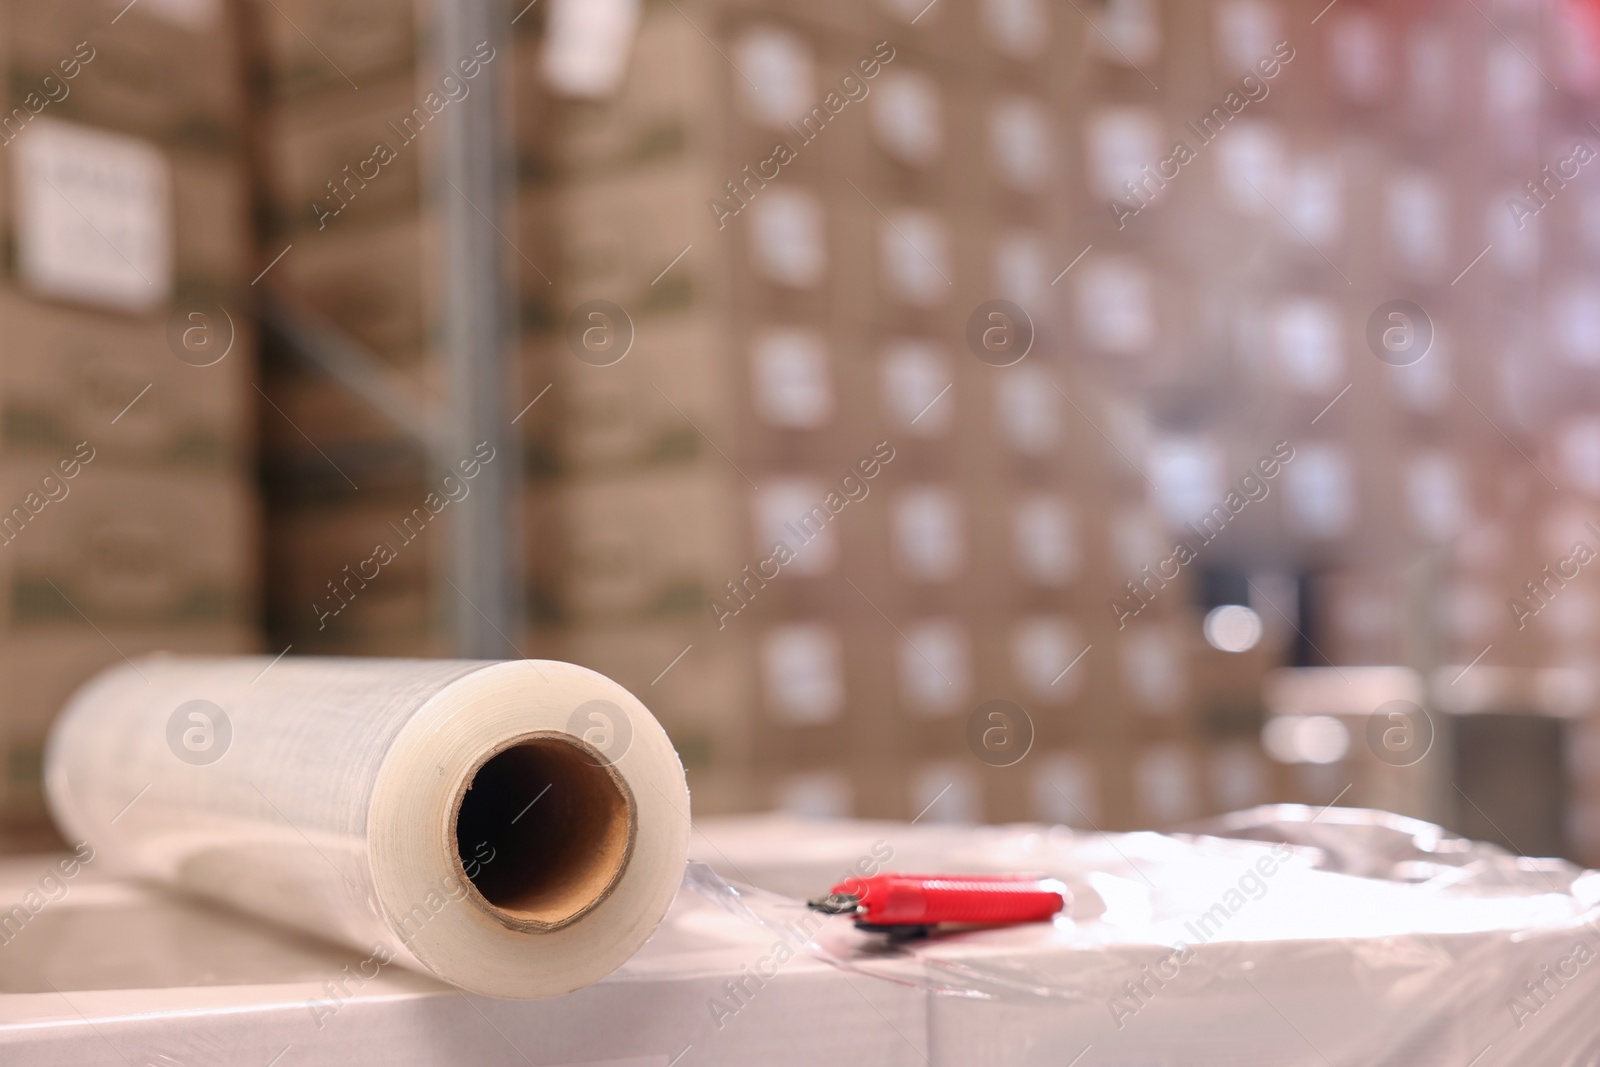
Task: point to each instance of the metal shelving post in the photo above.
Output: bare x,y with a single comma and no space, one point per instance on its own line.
478,337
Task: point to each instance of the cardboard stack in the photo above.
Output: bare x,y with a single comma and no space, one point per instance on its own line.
753,242
798,231
128,510
1392,161
348,133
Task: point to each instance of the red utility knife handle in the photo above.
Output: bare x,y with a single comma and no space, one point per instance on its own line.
928,899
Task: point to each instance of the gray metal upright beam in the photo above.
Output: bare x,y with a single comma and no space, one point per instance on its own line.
475,178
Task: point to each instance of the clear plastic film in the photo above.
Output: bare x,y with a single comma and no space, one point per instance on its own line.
1280,936
517,829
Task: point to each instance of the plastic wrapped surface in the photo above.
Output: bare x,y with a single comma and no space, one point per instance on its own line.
1339,937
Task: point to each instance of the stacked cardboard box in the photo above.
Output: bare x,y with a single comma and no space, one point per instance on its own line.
748,274
128,518
799,234
1389,163
348,136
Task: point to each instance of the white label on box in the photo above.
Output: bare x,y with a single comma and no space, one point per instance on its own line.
1020,28
193,15
1575,321
587,45
1045,538
1122,142
1511,87
1357,48
1129,32
1418,229
1063,789
915,251
1425,384
1319,492
1187,476
1437,496
778,62
1019,139
1042,649
935,667
1151,671
928,542
94,216
1020,273
803,666
1252,168
1027,410
1164,782
1310,344
793,512
816,795
906,116
1115,308
1246,32
916,375
789,374
1314,200
788,242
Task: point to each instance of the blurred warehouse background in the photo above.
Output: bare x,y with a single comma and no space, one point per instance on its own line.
1162,406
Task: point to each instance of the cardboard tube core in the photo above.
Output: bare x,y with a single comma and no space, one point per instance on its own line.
542,829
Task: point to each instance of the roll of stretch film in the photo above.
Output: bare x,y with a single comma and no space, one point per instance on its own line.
518,829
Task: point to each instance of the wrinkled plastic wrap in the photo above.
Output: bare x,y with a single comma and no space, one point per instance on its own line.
1324,967
518,829
1279,936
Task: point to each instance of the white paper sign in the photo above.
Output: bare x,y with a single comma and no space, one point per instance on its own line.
803,665
588,44
94,215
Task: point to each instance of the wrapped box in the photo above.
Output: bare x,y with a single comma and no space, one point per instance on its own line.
1335,938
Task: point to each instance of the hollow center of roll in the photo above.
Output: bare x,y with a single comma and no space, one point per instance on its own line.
543,831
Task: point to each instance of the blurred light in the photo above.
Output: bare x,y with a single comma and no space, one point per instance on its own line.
1305,739
1232,628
